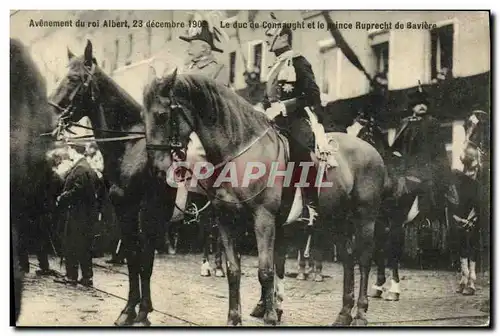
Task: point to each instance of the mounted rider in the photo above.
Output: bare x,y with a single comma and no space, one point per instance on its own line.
201,47
423,155
202,61
292,99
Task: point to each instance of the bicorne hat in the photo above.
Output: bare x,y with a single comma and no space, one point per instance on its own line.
205,31
418,97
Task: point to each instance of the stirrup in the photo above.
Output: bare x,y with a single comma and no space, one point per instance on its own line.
313,215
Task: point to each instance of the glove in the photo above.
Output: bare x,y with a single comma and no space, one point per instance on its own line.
275,110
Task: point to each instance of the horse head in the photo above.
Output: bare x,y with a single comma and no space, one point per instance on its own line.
76,94
168,118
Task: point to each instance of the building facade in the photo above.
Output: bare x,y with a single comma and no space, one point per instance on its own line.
447,51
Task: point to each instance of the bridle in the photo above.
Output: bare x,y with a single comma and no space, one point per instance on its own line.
86,85
174,145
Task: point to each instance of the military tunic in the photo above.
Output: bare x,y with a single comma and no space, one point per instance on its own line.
291,81
211,68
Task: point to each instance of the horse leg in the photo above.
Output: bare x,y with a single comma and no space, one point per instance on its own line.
396,241
233,271
219,271
265,235
150,217
317,246
205,270
345,248
128,219
379,254
473,252
364,248
301,275
280,261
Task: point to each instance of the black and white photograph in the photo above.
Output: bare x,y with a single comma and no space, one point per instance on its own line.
201,168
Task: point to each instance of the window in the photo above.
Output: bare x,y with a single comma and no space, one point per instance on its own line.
130,48
117,54
329,70
381,52
149,41
379,41
232,67
442,52
256,58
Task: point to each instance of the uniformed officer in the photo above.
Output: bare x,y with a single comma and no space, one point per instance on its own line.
423,153
202,61
79,202
200,51
290,90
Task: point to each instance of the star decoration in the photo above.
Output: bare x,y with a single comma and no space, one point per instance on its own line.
287,87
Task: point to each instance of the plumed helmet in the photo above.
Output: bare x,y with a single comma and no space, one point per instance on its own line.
205,30
277,27
418,97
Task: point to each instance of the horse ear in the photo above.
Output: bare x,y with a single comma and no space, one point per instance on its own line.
70,54
151,74
88,54
168,82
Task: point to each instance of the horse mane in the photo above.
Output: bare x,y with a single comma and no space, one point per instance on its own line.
215,105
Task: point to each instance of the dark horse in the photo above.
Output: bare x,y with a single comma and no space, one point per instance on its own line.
468,197
134,189
397,211
233,135
29,118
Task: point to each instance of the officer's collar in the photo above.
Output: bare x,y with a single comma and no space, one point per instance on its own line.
286,55
203,61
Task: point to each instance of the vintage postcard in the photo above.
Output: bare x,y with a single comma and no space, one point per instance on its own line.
250,167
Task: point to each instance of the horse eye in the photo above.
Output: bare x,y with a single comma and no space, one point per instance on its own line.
164,101
161,117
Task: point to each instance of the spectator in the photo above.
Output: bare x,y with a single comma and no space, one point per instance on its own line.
78,202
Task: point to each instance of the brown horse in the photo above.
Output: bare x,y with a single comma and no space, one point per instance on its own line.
233,134
134,189
29,118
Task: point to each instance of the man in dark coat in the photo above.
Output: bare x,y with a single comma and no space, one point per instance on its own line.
291,89
424,162
79,202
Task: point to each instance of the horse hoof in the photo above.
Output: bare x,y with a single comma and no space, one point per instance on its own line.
219,273
460,288
359,322
391,296
301,276
234,319
279,313
142,319
318,277
375,293
125,319
258,311
342,320
234,323
469,291
271,318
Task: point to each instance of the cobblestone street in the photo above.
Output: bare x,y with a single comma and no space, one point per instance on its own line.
182,298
